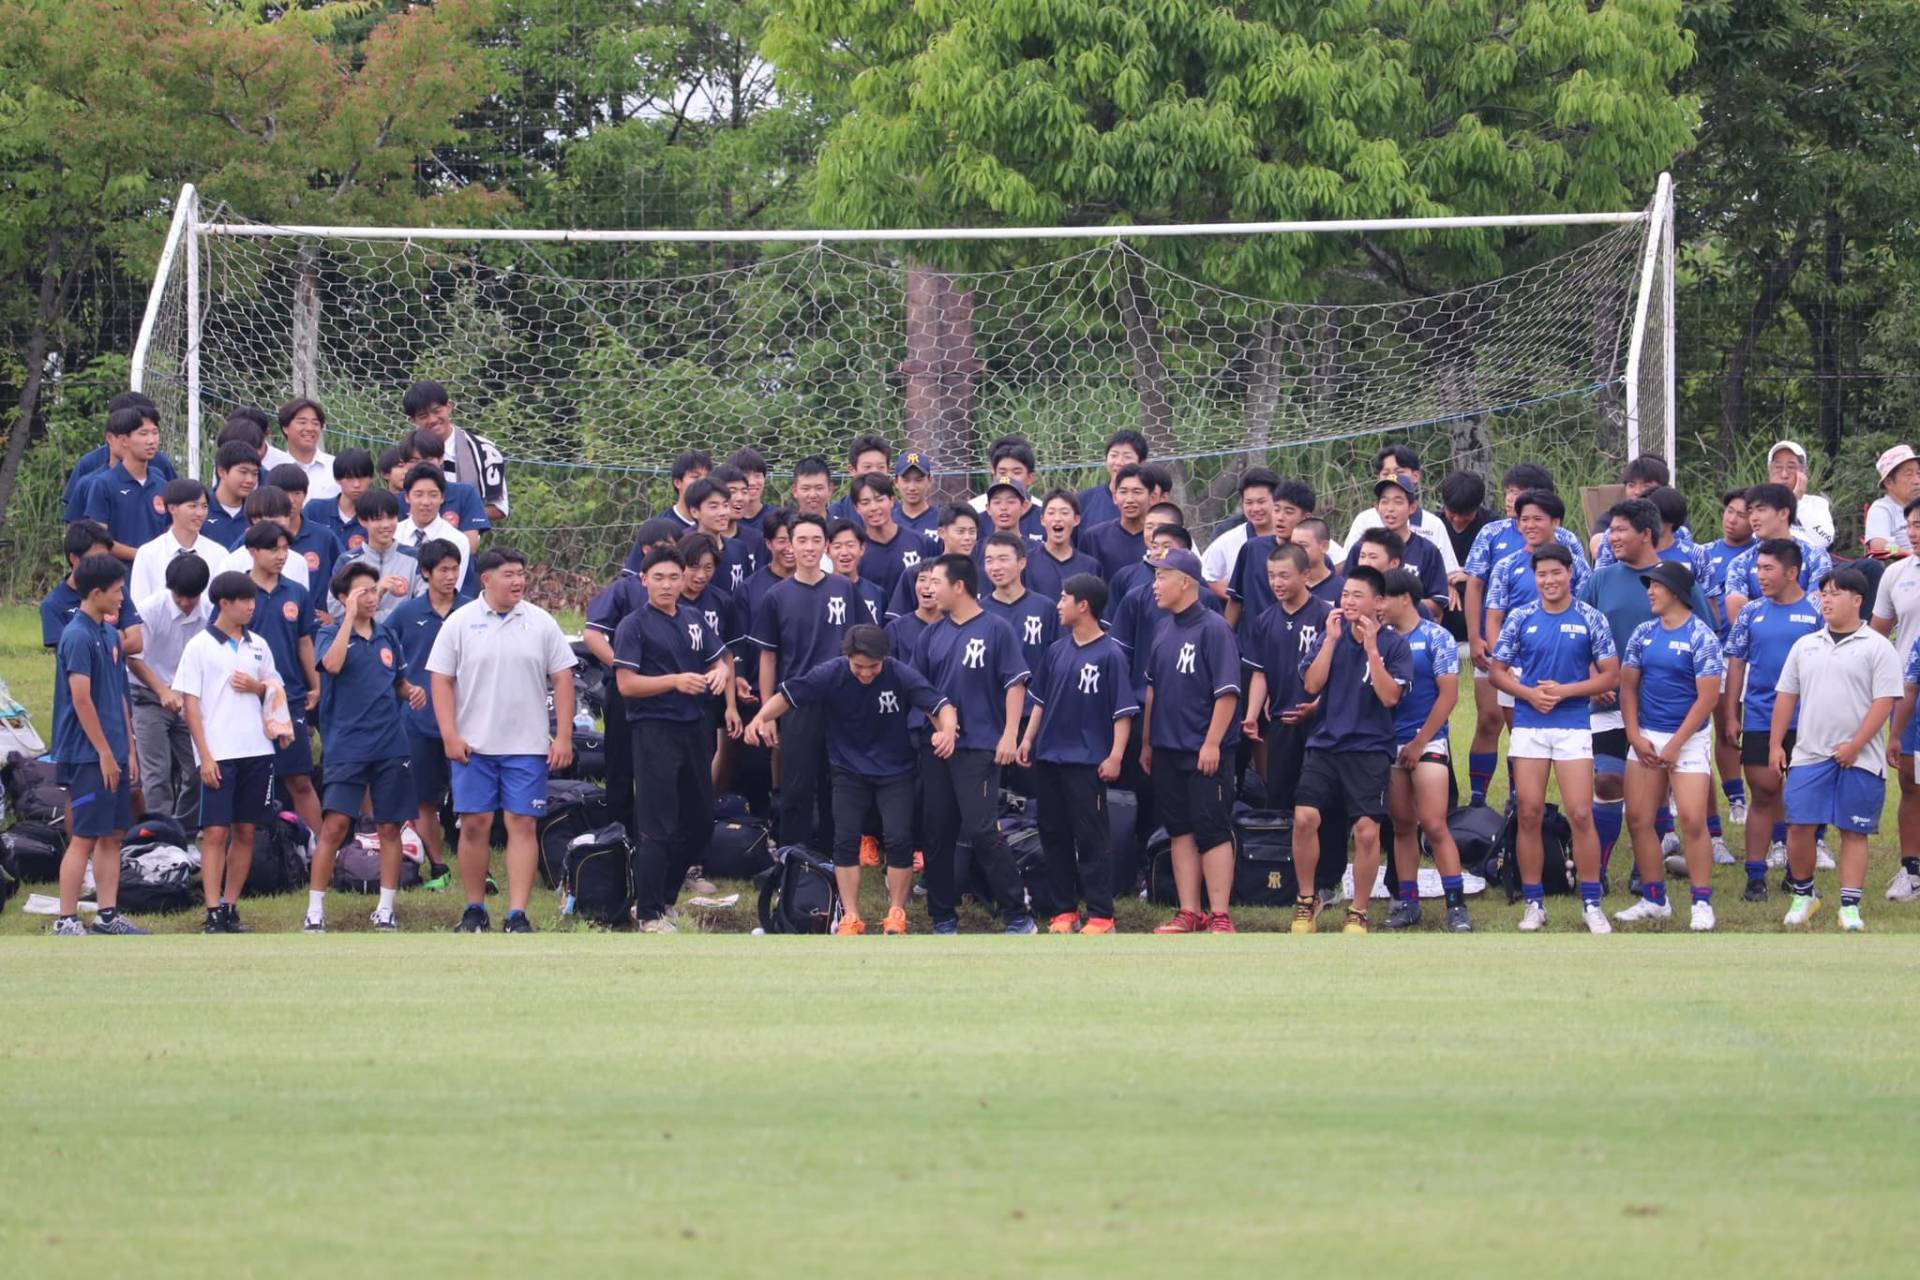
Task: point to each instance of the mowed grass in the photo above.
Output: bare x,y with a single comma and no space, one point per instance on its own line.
1115,1107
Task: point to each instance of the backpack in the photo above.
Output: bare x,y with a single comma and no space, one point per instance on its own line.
1556,847
741,848
156,878
157,828
798,894
1021,835
31,851
356,868
280,861
599,876
33,793
1263,859
1476,830
574,807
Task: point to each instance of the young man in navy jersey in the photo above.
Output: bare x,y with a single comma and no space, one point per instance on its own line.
353,475
1033,618
973,659
1313,535
1010,510
1360,670
363,737
236,474
699,593
914,511
812,487
1247,594
1076,743
1552,657
92,746
1394,502
285,619
1256,521
846,545
904,629
1136,579
776,565
1191,725
1132,619
1756,649
1121,541
609,607
314,544
104,455
1010,461
869,696
796,626
1275,653
416,624
890,549
667,659
1670,682
1422,768
868,454
1098,503
754,467
742,549
128,497
1056,559
84,538
688,468
959,536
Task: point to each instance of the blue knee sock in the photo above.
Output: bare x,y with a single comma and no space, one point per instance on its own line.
1410,890
1779,833
1703,893
1713,825
1608,815
1663,822
1757,871
1534,893
1589,893
1654,891
1734,790
1480,767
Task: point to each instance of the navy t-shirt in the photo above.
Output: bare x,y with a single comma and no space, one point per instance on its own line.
740,558
1046,575
973,664
803,624
1280,640
882,563
319,548
1034,619
759,582
361,712
867,724
1193,661
1097,506
651,643
60,605
1081,690
1248,584
926,524
901,600
282,617
1352,717
873,599
416,624
1420,556
131,509
89,649
1113,546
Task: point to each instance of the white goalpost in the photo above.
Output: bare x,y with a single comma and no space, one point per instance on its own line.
592,357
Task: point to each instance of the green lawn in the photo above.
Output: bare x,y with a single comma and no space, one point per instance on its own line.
1132,1106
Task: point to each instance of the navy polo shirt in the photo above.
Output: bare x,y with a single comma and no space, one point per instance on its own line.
974,664
89,649
653,644
1128,581
1279,642
416,624
1194,660
361,711
740,558
131,509
867,724
60,605
927,523
882,563
873,601
803,624
320,548
282,617
1113,546
464,508
73,497
1421,556
225,529
350,534
1034,620
1352,717
1047,575
1097,506
1081,690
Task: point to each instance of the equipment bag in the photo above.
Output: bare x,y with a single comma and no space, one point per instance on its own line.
1476,829
356,868
599,876
32,792
280,861
1263,859
157,828
156,878
741,848
1556,846
798,894
1021,835
574,807
32,851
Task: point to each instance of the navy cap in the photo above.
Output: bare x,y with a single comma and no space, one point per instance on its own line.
913,460
1400,480
1180,560
1014,485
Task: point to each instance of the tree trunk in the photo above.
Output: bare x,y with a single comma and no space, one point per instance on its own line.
56,290
306,327
1140,316
1736,407
939,371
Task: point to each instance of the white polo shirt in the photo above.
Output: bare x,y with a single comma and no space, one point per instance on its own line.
240,560
150,562
234,722
1836,681
410,536
320,481
1898,598
500,665
165,632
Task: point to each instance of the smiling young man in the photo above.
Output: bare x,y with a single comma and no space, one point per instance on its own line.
236,472
129,498
1278,707
1395,501
1033,618
1121,541
1770,511
186,503
915,509
1257,485
1100,503
301,422
1056,559
470,459
959,536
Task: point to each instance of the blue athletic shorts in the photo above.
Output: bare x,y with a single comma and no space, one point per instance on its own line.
245,793
96,811
296,759
1846,799
509,784
431,777
389,781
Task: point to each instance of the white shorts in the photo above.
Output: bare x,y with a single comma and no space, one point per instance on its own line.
1601,721
1696,755
1550,744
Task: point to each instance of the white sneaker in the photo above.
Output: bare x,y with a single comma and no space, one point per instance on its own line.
1670,842
1737,812
1645,910
1702,921
1722,856
1777,855
1904,887
1850,920
1676,864
659,924
1596,919
1802,908
1534,918
1822,857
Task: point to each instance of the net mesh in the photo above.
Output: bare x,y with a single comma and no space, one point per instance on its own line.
591,367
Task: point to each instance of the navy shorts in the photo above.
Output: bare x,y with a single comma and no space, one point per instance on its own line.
389,782
432,779
296,758
508,784
244,796
96,811
1847,799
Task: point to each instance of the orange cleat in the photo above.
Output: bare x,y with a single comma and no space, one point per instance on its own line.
1185,922
849,925
896,921
1064,922
869,851
1098,924
1220,922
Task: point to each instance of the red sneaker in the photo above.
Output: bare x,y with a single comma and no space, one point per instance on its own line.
1220,922
1185,922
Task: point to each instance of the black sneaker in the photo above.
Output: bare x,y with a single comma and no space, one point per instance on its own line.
314,924
1458,921
492,888
118,927
384,923
1404,915
230,920
216,921
474,920
517,922
1756,891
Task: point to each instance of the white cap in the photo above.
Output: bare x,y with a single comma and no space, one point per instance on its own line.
1892,458
1790,447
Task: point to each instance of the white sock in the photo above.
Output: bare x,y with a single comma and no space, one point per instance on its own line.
316,904
386,901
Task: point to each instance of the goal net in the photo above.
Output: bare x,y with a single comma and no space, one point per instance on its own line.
592,359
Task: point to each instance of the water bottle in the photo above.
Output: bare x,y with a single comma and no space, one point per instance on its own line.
583,721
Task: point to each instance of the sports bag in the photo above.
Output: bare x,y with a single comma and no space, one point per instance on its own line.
1263,859
280,862
1021,835
798,894
1556,847
32,792
574,807
599,876
356,868
32,851
741,848
1476,830
156,878
157,828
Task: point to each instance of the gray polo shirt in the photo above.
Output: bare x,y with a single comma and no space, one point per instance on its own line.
1837,680
500,665
391,563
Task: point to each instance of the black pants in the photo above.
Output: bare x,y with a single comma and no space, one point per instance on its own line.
1075,837
854,798
1286,752
673,812
619,744
963,802
806,795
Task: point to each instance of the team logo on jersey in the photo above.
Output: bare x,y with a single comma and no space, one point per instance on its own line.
975,654
1184,665
290,611
739,576
313,562
908,559
451,517
355,542
1030,634
1090,678
386,655
1307,636
693,634
837,611
159,504
888,703
713,620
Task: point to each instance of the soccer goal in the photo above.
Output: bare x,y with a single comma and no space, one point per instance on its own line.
593,357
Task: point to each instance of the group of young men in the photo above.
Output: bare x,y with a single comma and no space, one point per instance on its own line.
871,671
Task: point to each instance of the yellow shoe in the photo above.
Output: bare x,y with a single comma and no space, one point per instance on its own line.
1356,922
849,925
895,923
1306,915
869,851
1064,922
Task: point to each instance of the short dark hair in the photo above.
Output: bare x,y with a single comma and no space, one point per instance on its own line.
1395,544
697,546
657,530
425,471
1316,529
251,415
230,585
960,571
748,460
1132,471
1671,504
799,518
1292,553
1156,476
1296,493
288,476
235,453
1527,475
812,465
1640,514
868,442
268,503
342,584
1910,508
124,422
179,493
1067,496
1401,455
1371,576
839,526
864,640
99,571
726,473
423,444
870,482
1016,448
1089,589
187,575
353,464
1463,491
702,489
1013,541
375,503
1647,469
663,554
1846,579
774,521
959,511
1552,551
1777,496
1179,534
493,557
1131,438
1546,499
431,553
1402,582
295,407
423,395
264,535
1732,496
1164,510
690,460
131,400
1784,551
392,456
